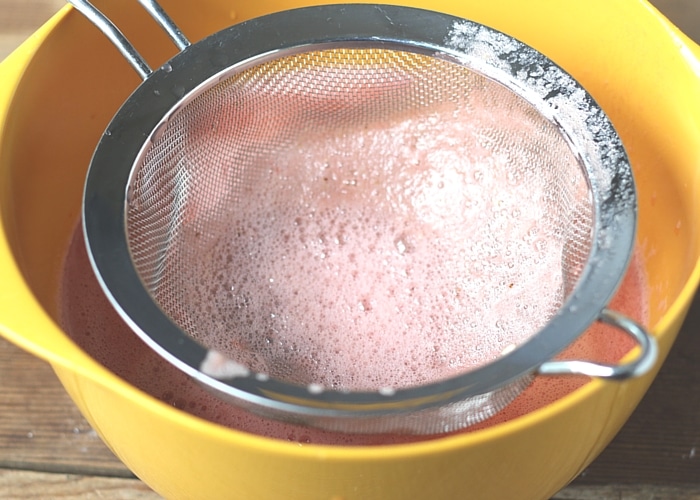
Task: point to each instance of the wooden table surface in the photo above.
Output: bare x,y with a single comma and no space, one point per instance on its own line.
47,449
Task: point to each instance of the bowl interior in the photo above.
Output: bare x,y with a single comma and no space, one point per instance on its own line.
75,81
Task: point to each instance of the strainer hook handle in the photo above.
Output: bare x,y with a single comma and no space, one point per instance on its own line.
640,365
107,27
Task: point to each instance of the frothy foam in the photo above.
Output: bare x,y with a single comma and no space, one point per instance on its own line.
384,257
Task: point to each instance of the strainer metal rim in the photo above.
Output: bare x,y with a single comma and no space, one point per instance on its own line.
521,68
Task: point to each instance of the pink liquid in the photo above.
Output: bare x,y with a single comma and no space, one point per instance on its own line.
90,320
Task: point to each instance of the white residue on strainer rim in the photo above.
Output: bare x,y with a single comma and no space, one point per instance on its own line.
551,90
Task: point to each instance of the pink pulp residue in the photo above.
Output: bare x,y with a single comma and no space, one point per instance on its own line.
418,247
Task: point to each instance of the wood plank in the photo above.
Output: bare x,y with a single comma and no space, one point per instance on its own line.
627,492
40,428
683,13
26,15
20,18
20,485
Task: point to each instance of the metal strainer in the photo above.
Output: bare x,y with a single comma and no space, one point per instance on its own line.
407,133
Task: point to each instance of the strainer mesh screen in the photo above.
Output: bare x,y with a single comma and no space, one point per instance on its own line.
359,218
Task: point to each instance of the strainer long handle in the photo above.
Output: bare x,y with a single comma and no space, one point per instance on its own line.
640,365
118,39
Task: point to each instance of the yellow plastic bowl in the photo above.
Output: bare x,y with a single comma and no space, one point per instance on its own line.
57,93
